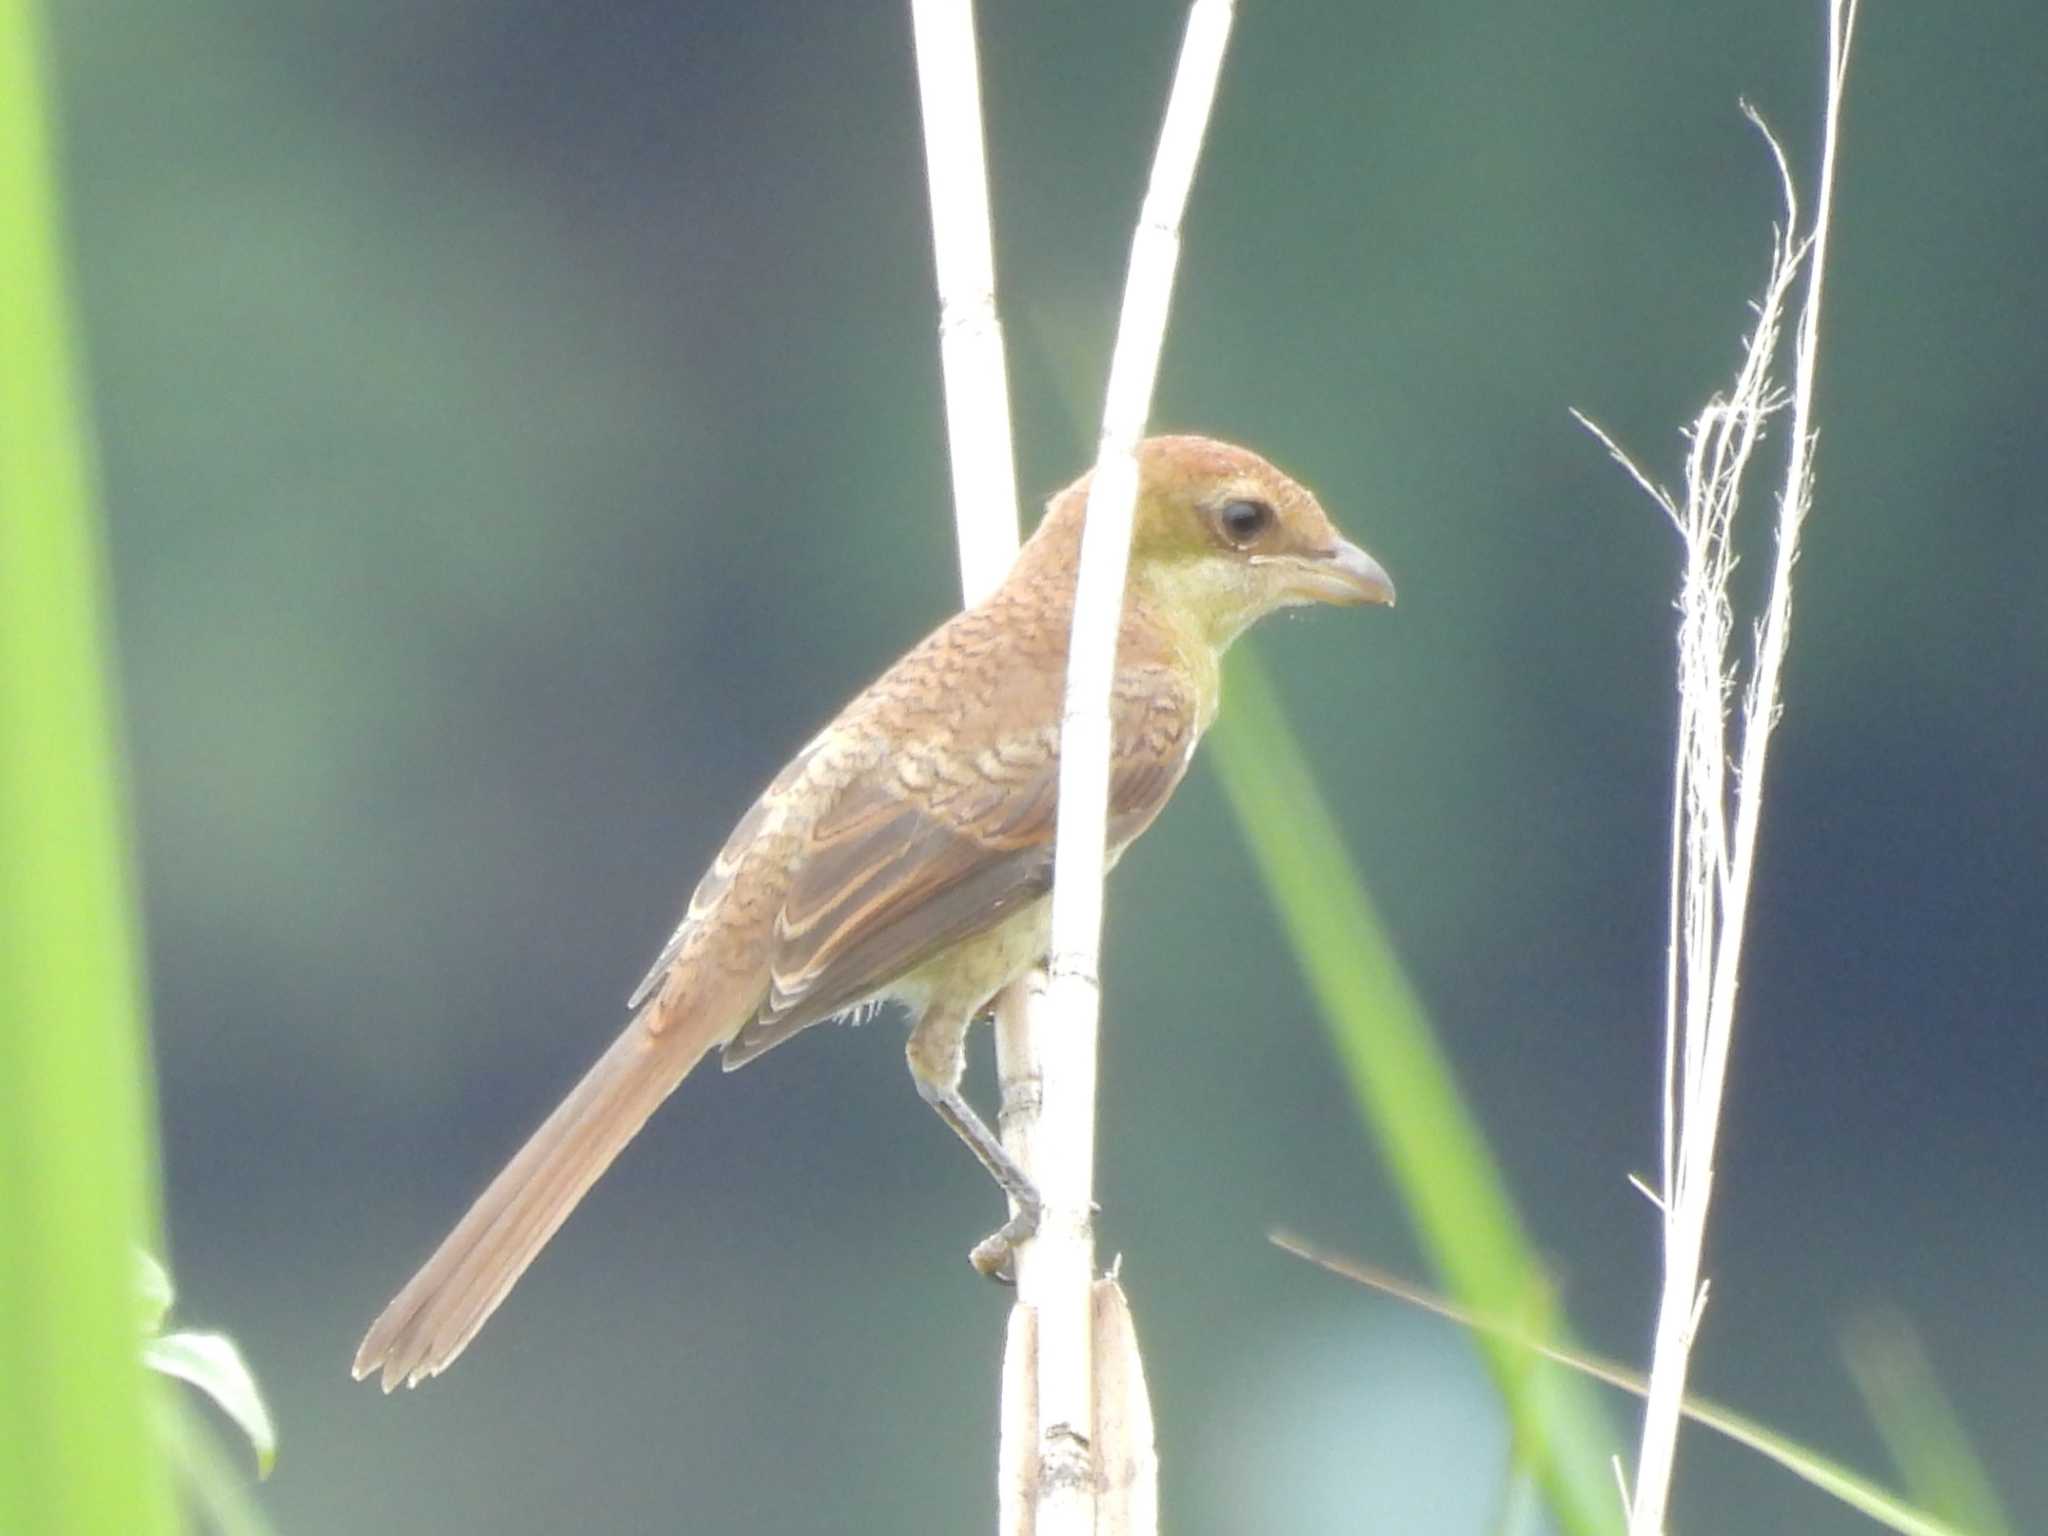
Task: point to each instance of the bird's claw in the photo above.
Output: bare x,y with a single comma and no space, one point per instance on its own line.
995,1256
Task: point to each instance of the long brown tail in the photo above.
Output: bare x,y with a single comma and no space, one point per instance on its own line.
433,1319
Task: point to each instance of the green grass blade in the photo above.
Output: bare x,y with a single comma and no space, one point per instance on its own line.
1406,1095
1828,1475
1918,1424
77,1196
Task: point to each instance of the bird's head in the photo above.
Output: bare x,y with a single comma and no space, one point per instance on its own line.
1221,538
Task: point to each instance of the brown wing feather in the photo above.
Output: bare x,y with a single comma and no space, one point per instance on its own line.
719,877
933,847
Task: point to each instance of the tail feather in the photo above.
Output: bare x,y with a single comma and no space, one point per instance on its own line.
439,1311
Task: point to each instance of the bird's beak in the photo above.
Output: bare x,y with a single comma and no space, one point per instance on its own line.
1344,575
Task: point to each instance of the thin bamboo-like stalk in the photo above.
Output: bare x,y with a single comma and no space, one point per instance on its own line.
971,357
1056,1272
970,327
1712,861
1053,1482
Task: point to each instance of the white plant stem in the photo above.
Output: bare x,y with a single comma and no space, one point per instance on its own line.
1056,1272
1062,1466
970,328
1712,862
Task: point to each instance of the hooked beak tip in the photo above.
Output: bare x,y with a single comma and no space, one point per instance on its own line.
1355,577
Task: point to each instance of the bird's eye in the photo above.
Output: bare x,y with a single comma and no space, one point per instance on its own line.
1243,521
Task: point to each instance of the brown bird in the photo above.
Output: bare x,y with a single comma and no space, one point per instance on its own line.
905,854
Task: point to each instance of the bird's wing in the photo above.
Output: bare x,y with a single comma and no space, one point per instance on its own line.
936,844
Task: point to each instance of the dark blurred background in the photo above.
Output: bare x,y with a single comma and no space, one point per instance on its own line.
521,428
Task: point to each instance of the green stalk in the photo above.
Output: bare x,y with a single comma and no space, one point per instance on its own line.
1407,1096
77,1175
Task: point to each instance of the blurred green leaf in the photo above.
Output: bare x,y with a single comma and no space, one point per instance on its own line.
1407,1096
211,1476
77,1452
1830,1476
153,1290
1919,1425
207,1360
212,1363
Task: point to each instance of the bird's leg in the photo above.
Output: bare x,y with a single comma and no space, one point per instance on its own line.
995,1254
937,1053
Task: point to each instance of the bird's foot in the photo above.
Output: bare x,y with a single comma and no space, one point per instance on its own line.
995,1256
